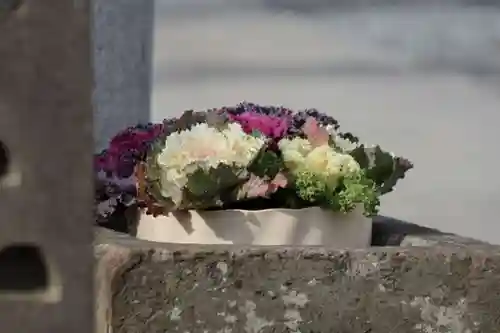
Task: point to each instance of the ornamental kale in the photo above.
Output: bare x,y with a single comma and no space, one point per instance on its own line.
243,157
114,169
270,126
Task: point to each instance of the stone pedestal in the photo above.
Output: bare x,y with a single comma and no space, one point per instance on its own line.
426,282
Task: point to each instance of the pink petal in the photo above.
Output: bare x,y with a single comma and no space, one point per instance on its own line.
316,134
280,180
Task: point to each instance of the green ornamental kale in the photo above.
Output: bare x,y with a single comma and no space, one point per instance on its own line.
355,189
352,190
383,168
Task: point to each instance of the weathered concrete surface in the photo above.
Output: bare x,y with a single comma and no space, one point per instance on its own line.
177,288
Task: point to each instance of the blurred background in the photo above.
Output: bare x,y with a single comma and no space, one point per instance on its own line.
422,80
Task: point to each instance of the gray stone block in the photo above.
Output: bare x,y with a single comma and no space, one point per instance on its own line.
122,37
45,168
446,284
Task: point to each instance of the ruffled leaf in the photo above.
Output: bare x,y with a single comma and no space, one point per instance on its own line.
266,163
210,183
149,183
382,167
215,118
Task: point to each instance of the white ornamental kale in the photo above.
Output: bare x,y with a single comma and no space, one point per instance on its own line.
200,150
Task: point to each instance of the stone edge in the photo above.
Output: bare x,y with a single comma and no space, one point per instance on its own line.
116,253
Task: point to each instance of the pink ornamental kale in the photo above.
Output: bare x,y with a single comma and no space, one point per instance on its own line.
270,126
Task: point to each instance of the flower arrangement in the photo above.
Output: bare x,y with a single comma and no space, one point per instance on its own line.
243,157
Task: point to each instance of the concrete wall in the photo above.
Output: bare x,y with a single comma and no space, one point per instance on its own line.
122,36
430,283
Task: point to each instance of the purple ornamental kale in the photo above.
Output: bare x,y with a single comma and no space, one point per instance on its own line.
114,168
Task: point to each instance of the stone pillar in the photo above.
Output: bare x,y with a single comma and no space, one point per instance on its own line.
122,36
46,261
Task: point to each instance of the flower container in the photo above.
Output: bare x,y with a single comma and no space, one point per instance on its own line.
278,226
246,175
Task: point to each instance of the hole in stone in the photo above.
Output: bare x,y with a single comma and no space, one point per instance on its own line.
4,159
22,269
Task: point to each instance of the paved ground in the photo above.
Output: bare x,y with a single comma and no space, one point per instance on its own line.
423,82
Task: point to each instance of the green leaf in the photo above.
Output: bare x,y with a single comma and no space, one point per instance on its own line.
401,166
210,183
381,167
189,118
310,187
216,119
266,164
356,189
152,178
185,121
